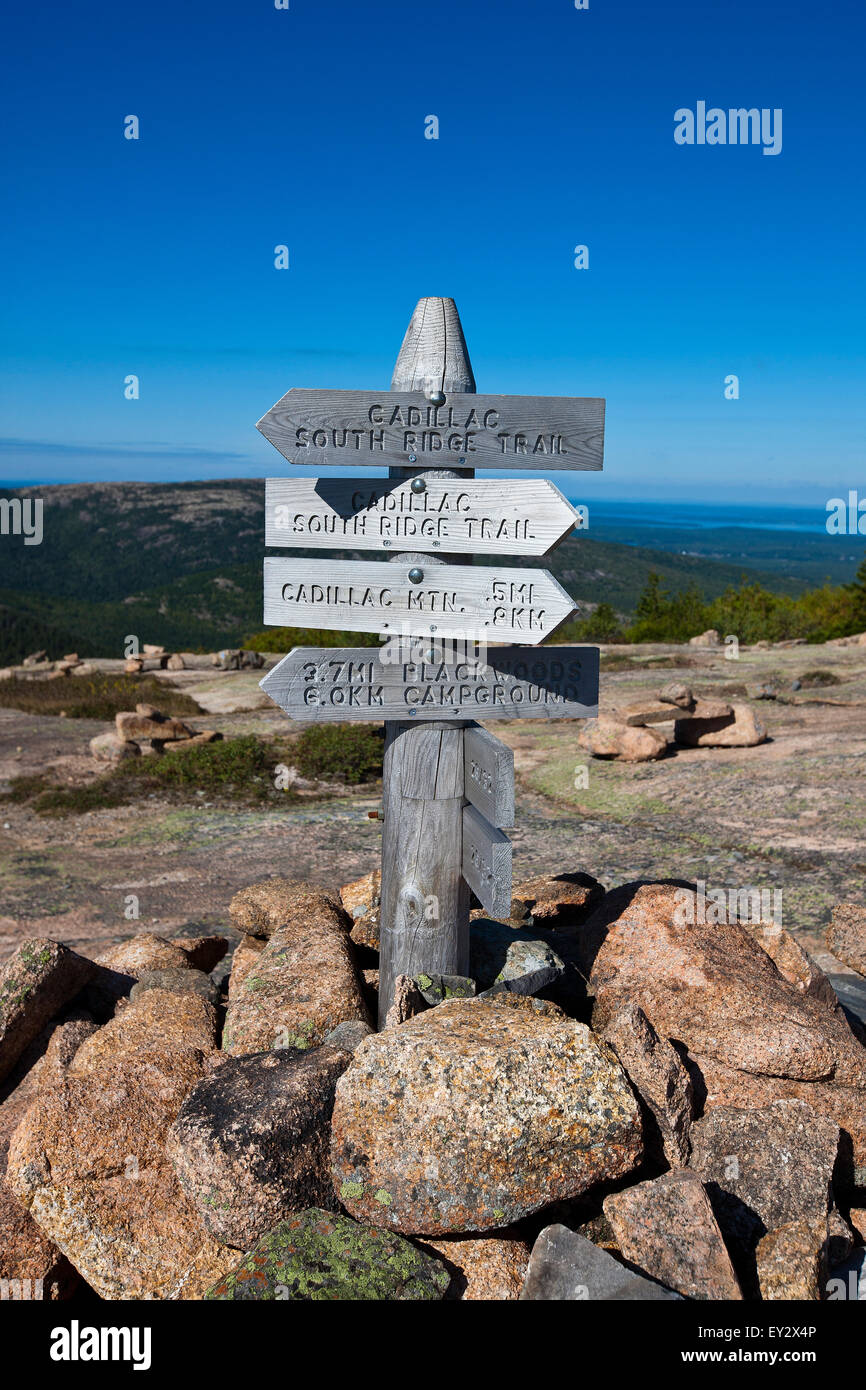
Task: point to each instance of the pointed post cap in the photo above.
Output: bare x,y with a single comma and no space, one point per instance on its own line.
433,358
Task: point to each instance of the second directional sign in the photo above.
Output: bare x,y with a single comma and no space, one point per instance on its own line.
526,516
489,602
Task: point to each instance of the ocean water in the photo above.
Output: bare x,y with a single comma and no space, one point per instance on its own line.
698,516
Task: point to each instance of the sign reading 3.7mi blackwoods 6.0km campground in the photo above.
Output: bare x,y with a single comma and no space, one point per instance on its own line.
447,784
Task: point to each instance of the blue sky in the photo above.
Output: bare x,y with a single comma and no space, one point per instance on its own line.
261,126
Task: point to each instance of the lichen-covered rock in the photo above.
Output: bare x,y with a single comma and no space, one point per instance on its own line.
661,1080
250,1144
667,1228
435,989
261,908
245,958
35,982
846,935
483,1268
315,1255
185,981
477,1113
565,1266
304,982
792,1261
514,957
764,1168
89,1163
362,900
158,1024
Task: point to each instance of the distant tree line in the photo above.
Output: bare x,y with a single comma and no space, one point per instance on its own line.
751,612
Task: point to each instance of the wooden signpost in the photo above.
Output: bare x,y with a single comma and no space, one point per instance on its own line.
447,784
470,516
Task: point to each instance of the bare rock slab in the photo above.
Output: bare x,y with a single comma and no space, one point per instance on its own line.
304,982
250,1144
315,1255
477,1113
35,983
362,899
613,738
565,1266
484,1268
661,1081
742,729
846,935
668,1229
764,1169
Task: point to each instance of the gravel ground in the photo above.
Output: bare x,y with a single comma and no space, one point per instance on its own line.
789,814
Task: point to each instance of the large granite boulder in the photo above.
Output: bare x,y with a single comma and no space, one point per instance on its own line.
250,1143
477,1113
305,980
35,983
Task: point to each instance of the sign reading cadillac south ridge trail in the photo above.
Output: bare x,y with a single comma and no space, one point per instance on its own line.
445,666
349,428
529,517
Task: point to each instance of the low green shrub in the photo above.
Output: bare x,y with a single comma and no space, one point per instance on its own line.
100,696
340,752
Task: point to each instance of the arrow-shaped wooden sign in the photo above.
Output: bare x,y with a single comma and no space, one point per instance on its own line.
487,863
526,516
337,684
488,603
488,775
382,428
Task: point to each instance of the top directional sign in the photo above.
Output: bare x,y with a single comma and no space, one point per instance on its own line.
388,428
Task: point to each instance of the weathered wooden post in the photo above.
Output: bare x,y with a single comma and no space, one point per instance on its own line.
424,914
448,785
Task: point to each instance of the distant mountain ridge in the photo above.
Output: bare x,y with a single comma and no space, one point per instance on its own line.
180,564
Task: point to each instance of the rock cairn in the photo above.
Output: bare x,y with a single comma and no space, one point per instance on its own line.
632,733
619,1102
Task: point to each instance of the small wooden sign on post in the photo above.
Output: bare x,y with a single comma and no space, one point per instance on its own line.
448,783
